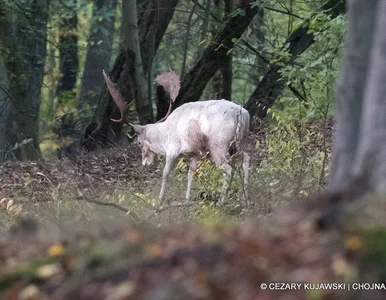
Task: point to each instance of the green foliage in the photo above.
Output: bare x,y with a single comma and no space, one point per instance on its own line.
210,215
295,163
314,73
375,247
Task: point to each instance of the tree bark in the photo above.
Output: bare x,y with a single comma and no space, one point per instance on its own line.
270,87
261,64
68,57
131,41
186,40
99,51
205,25
162,102
146,17
226,69
27,43
6,105
350,91
211,60
360,139
153,19
101,131
7,137
108,133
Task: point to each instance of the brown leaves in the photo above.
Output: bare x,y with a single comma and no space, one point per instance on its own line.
92,171
183,263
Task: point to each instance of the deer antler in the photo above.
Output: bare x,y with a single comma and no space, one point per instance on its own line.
171,82
122,105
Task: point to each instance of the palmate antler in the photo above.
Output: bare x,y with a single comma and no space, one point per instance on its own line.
171,82
122,105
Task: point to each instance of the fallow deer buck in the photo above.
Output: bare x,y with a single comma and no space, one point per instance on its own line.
193,129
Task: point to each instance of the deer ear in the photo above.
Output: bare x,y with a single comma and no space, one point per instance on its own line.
138,128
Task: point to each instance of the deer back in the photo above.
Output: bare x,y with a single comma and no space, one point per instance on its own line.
193,125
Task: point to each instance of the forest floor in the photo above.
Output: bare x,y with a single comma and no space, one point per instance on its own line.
51,248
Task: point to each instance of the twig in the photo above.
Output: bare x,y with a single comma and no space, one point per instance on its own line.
286,12
322,173
127,211
162,208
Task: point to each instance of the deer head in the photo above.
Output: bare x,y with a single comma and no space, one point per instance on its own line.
171,82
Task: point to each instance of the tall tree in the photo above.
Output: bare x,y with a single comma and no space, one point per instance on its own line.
27,44
211,60
226,68
68,53
6,105
205,24
131,41
99,50
6,112
270,87
153,19
101,130
360,138
187,37
259,34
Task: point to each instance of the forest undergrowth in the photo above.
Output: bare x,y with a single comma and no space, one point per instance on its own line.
86,227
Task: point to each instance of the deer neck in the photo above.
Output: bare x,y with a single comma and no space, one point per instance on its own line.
157,135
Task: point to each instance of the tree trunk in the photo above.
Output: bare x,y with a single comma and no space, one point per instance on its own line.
6,105
25,67
146,16
101,131
270,87
108,133
131,41
7,139
360,138
153,19
162,102
261,64
211,60
99,51
68,57
226,69
186,41
205,25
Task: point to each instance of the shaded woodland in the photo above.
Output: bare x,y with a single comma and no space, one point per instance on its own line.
79,214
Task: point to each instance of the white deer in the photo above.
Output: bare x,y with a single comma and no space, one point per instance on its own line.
217,127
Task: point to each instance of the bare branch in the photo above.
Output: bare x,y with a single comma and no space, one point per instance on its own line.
125,210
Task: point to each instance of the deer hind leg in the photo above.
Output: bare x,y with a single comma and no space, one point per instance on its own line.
221,160
170,163
227,177
192,169
246,163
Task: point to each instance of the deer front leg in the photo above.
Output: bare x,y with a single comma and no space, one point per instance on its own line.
192,168
170,163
